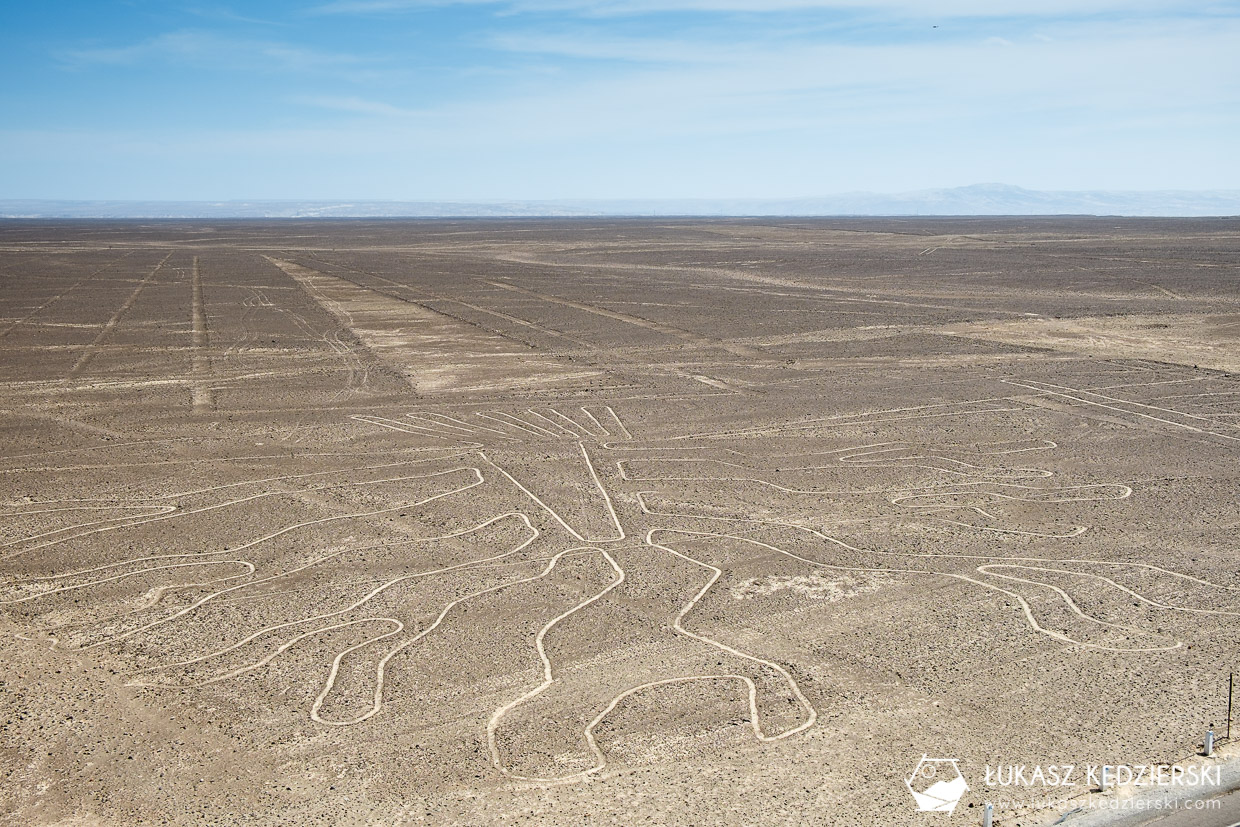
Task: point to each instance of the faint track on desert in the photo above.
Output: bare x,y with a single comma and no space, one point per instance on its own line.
89,351
202,397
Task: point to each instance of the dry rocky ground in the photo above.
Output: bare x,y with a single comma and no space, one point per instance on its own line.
607,522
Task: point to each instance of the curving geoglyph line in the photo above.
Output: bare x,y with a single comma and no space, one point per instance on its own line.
1014,562
368,597
592,430
925,499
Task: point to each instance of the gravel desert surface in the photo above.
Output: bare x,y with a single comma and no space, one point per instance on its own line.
594,522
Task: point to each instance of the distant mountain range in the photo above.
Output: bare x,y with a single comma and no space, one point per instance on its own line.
978,199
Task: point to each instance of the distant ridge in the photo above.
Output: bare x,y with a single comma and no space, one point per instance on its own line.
978,199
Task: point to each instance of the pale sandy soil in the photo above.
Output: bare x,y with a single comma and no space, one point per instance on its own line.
625,522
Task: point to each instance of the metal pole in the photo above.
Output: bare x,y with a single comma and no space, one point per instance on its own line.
1231,688
988,814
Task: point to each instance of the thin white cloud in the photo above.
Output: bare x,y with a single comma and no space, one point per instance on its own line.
1078,41
201,48
355,105
593,45
1083,77
227,15
907,8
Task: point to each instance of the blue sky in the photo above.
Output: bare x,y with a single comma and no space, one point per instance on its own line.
533,99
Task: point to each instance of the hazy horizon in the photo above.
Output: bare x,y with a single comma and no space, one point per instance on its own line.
975,200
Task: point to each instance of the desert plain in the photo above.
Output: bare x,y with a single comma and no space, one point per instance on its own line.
593,522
